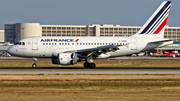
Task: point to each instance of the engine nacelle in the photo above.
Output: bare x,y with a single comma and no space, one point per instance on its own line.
66,59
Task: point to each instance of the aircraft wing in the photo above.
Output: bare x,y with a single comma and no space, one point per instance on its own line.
105,48
95,51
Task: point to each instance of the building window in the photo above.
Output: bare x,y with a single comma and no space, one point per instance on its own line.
54,28
58,28
68,28
49,28
63,28
124,29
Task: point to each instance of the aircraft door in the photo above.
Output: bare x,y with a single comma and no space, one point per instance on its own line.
133,44
34,44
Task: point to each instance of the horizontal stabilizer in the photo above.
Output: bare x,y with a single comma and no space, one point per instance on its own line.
161,41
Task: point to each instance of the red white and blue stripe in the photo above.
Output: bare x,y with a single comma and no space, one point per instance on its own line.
158,20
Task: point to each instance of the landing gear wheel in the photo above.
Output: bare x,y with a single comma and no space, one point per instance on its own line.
86,65
34,65
92,65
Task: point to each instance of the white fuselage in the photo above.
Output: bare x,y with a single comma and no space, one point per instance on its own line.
46,47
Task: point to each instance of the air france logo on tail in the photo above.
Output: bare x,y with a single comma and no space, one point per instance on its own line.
158,20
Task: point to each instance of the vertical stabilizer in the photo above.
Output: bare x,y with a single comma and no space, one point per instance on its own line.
155,25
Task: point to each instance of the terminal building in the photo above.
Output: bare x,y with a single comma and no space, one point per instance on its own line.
17,31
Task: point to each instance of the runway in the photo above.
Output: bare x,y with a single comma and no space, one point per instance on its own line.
99,70
116,58
80,70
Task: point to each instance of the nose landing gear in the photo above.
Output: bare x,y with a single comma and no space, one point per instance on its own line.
34,65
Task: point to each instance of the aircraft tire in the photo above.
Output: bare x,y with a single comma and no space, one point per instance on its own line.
86,65
92,65
34,65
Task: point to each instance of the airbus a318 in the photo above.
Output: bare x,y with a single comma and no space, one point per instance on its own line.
70,50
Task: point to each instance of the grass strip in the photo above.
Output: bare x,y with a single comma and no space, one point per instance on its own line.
79,83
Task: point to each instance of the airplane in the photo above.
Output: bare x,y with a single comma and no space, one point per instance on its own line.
68,50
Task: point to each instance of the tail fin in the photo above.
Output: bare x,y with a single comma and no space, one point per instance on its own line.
155,25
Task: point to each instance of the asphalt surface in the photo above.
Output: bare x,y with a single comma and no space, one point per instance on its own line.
99,70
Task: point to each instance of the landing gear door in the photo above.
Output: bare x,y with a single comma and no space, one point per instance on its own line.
133,44
34,44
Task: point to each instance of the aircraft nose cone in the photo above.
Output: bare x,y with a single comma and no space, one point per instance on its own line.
10,50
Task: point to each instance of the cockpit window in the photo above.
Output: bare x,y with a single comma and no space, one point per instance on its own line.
23,43
20,43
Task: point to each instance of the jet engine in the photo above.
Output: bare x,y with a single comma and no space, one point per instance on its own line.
65,59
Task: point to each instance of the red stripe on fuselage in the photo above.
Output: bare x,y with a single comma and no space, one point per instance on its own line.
161,26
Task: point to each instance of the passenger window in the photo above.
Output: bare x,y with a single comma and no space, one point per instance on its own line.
46,43
68,43
72,43
52,43
43,43
55,43
19,43
94,43
65,43
59,43
62,43
91,43
97,43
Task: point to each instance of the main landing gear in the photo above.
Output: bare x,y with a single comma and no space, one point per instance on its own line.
34,65
89,65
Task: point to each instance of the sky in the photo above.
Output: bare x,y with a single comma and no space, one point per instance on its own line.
84,12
